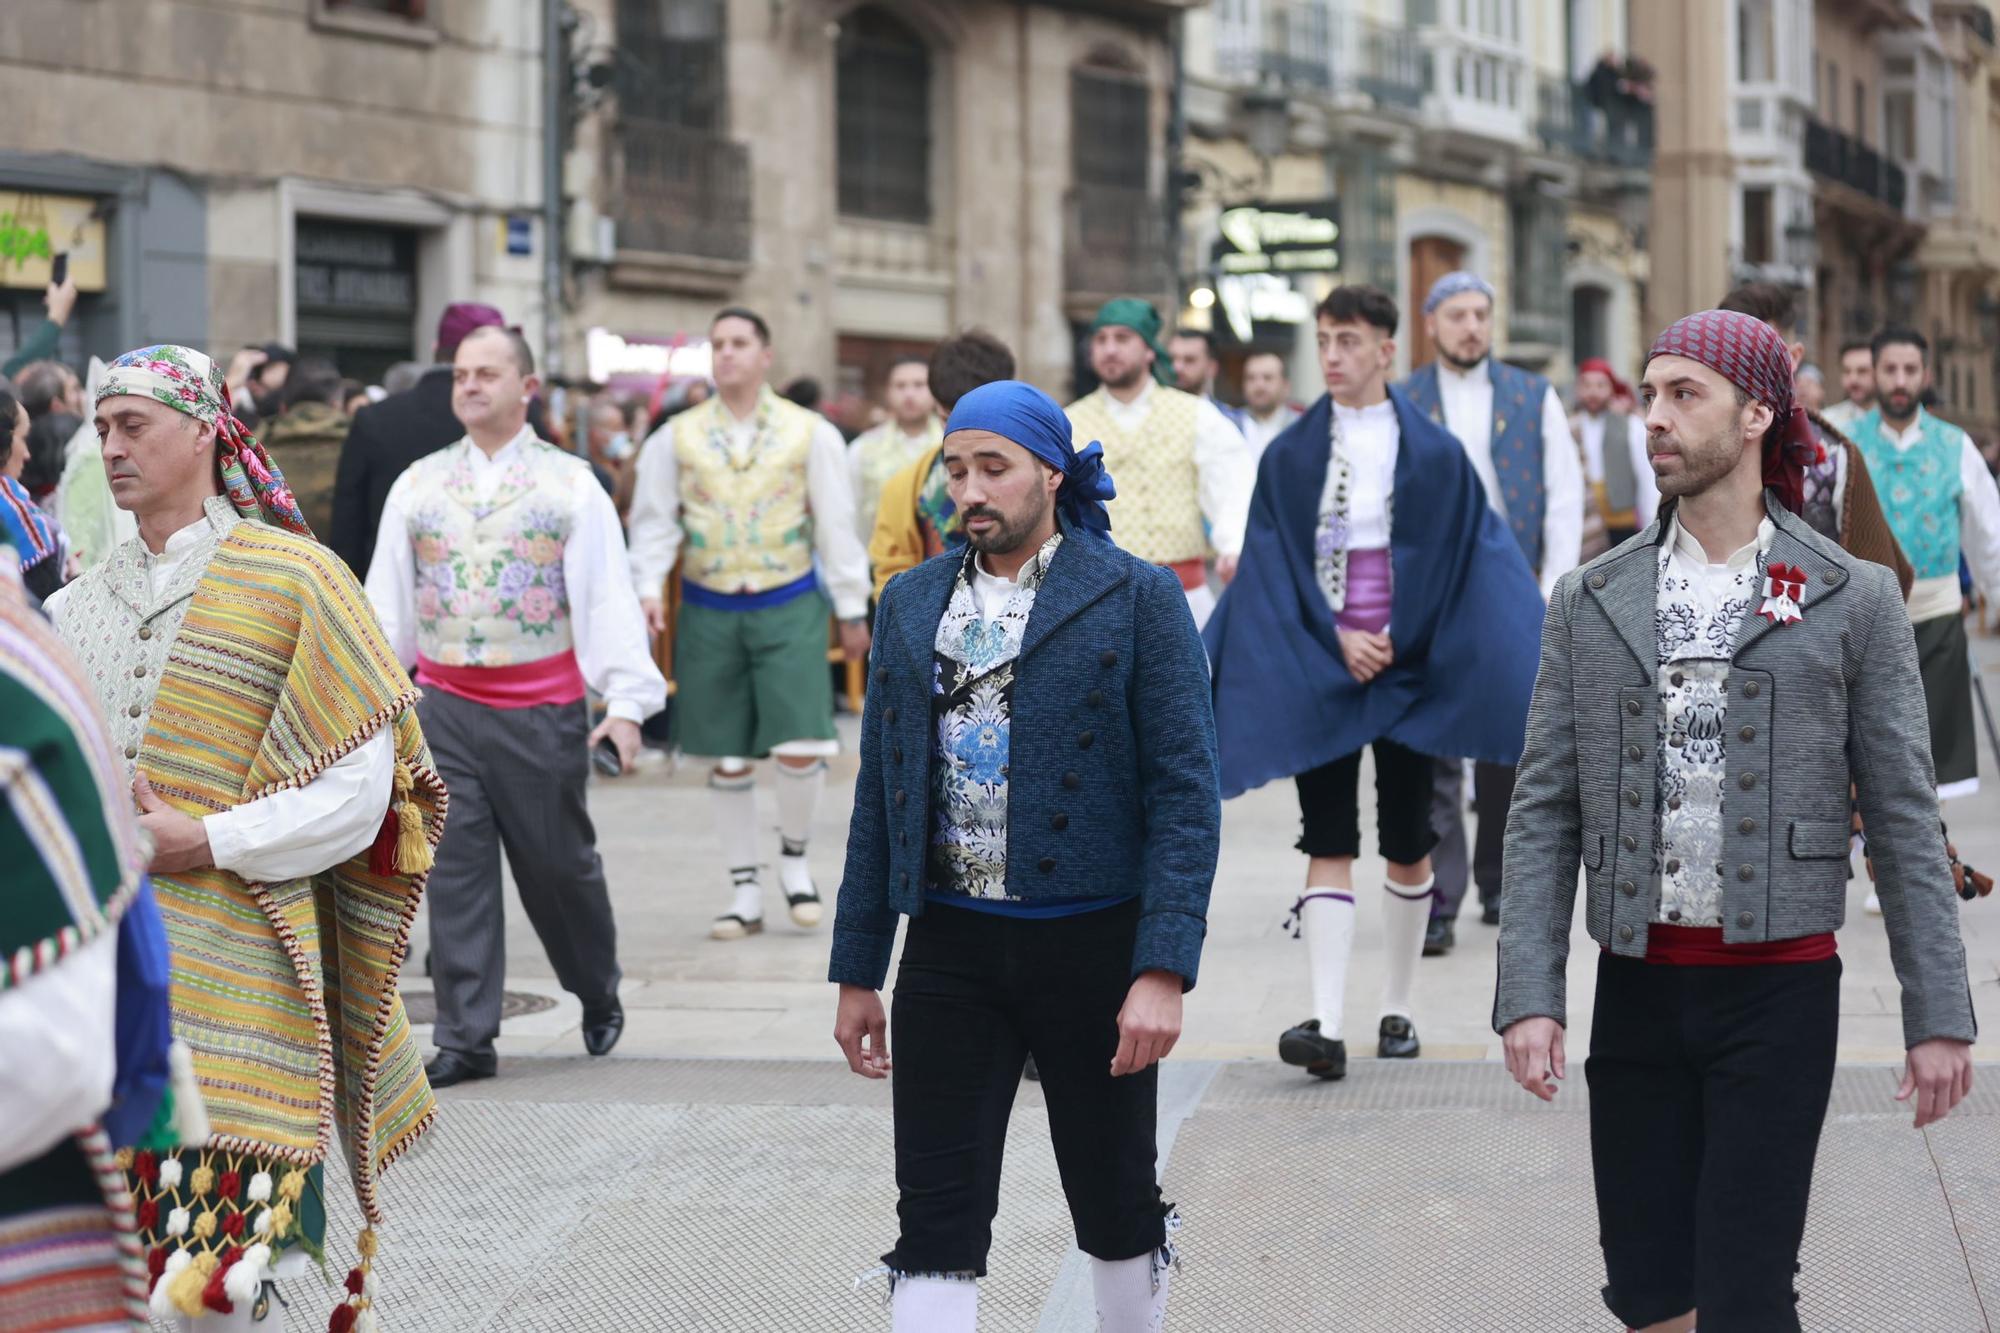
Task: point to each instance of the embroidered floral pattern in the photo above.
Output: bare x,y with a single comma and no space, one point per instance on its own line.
1696,619
1330,540
972,700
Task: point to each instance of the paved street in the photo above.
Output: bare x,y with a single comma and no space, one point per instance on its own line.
723,1171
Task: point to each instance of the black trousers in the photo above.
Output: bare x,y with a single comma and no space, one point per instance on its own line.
975,995
1492,797
1708,1087
1330,805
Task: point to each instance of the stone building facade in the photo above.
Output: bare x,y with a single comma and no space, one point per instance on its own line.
868,176
323,173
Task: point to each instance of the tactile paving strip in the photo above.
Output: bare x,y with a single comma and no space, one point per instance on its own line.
746,1197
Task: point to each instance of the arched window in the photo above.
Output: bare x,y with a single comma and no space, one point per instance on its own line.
883,106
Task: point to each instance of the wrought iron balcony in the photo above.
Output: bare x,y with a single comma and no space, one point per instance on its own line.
1618,134
1313,48
1115,242
682,192
1839,157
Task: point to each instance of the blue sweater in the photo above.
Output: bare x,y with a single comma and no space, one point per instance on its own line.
1113,782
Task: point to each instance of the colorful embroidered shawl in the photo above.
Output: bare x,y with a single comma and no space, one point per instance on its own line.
279,669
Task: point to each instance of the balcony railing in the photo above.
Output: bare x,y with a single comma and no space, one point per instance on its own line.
1312,48
1839,157
1115,242
1620,134
684,192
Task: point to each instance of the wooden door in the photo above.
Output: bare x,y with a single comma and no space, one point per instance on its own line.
1431,257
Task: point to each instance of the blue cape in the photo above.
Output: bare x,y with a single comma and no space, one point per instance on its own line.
1465,618
1030,418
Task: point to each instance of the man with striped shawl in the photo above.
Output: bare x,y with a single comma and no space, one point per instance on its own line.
277,765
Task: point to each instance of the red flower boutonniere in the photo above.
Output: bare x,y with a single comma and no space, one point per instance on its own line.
1784,587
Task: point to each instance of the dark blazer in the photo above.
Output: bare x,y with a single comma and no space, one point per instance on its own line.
1815,704
1112,770
383,440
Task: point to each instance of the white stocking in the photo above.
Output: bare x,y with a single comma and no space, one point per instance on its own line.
1406,911
1131,1293
1326,916
934,1305
733,798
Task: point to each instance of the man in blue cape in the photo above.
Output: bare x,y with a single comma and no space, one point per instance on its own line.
1038,795
1380,602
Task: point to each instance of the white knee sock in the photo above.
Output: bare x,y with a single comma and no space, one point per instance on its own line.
1131,1293
1326,916
733,796
1406,911
798,796
934,1305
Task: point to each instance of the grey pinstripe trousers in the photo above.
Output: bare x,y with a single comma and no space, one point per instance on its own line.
516,778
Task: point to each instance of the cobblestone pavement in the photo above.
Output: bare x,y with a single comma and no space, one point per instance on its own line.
721,1171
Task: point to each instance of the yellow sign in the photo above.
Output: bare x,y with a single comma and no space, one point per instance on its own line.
35,228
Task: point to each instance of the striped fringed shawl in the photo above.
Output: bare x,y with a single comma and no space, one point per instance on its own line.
287,991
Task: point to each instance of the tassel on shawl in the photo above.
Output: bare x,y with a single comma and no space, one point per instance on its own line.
401,848
357,1312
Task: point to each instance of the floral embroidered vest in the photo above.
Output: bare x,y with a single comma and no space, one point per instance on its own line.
745,510
1920,489
490,589
1518,396
880,454
1157,515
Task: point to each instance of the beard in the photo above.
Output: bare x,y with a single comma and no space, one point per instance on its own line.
1898,405
1009,531
1462,362
1127,378
1704,464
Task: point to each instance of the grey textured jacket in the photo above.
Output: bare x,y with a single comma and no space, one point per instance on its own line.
1811,704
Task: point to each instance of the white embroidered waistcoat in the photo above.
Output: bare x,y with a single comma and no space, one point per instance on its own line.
490,588
744,506
120,628
1157,515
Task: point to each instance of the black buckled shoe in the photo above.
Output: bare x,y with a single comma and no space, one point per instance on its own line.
1439,937
1398,1039
449,1068
602,1026
1321,1056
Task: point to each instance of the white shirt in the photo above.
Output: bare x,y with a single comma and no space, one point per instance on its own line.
606,626
1467,399
1223,464
655,527
58,1043
1978,526
1258,432
1843,414
300,830
1371,440
1645,487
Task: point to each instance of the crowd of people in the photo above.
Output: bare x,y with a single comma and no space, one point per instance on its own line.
290,655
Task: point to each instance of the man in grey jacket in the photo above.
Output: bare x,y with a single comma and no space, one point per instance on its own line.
1707,691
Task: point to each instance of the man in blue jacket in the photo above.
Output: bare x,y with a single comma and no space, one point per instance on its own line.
1060,915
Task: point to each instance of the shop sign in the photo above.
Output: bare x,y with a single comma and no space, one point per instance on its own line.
1250,299
1279,238
627,359
35,228
355,268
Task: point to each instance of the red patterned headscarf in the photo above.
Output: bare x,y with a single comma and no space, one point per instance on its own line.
189,382
1749,354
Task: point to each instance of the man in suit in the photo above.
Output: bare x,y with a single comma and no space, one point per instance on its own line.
1057,889
1515,432
1705,697
387,437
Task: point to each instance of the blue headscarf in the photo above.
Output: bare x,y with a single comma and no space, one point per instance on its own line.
1026,416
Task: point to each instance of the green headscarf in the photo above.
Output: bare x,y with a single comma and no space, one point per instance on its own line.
1140,317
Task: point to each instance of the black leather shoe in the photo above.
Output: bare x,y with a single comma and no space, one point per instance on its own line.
1398,1039
1439,937
453,1067
1490,913
1320,1056
603,1026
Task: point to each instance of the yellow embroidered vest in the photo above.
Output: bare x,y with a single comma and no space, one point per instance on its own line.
1157,515
490,588
744,510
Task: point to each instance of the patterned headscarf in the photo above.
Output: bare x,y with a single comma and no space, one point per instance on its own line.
189,382
1030,418
1130,312
1749,354
1603,367
23,525
1456,283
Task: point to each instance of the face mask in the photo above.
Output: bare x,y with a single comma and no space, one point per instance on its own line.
619,447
